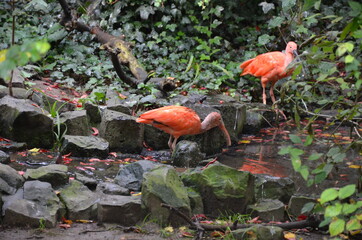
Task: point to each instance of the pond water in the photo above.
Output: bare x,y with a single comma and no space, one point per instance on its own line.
257,154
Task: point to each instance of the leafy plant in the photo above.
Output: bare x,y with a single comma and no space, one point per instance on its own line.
59,133
341,211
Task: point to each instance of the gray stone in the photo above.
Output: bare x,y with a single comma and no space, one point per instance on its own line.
273,188
11,176
23,122
128,209
115,103
85,146
6,188
197,206
130,176
24,212
258,116
155,138
91,183
112,189
223,189
163,185
93,112
19,93
4,157
296,203
258,232
55,174
11,146
187,154
121,131
76,122
80,202
9,199
17,80
51,104
43,194
268,210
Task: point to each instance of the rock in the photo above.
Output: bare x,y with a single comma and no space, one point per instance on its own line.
163,185
296,203
273,188
9,199
258,232
112,189
55,174
4,157
43,194
85,146
115,103
156,138
130,176
17,80
6,188
80,202
121,131
128,209
19,93
232,112
11,146
11,176
258,116
91,183
23,212
187,154
197,206
76,122
93,112
222,188
50,104
268,210
23,122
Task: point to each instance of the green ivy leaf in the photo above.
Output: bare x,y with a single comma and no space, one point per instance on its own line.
314,156
276,22
295,139
353,224
346,191
304,171
349,208
336,226
284,150
264,39
333,210
328,195
308,207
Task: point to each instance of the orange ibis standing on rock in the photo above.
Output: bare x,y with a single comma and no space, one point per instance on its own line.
178,121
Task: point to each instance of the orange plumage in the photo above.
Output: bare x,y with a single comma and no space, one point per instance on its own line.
178,121
270,67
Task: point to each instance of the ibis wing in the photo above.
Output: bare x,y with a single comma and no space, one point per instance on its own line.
263,64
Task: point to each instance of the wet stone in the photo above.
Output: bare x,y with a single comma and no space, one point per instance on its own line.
56,175
270,187
258,233
258,116
297,202
94,112
76,122
4,157
91,183
85,146
128,209
268,210
187,154
112,189
11,176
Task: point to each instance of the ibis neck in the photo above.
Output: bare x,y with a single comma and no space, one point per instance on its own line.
288,59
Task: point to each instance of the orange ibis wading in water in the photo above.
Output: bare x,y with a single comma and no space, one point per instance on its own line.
270,67
178,121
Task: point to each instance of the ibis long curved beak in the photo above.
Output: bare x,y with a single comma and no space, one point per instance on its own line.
226,134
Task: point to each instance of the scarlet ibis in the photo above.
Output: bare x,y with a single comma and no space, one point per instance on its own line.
270,67
178,121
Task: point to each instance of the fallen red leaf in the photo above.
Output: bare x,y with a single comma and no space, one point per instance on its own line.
254,220
217,234
114,154
95,131
65,226
186,234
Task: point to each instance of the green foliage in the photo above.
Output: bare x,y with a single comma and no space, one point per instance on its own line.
59,133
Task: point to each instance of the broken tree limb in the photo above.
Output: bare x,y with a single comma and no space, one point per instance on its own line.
120,52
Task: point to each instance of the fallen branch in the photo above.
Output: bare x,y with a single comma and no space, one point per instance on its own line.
120,52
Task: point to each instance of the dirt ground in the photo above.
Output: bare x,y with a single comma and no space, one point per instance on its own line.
81,231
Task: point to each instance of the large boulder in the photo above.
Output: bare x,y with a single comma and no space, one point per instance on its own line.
128,208
10,176
121,131
56,175
21,121
163,185
76,122
130,176
273,187
85,146
81,203
187,154
222,188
